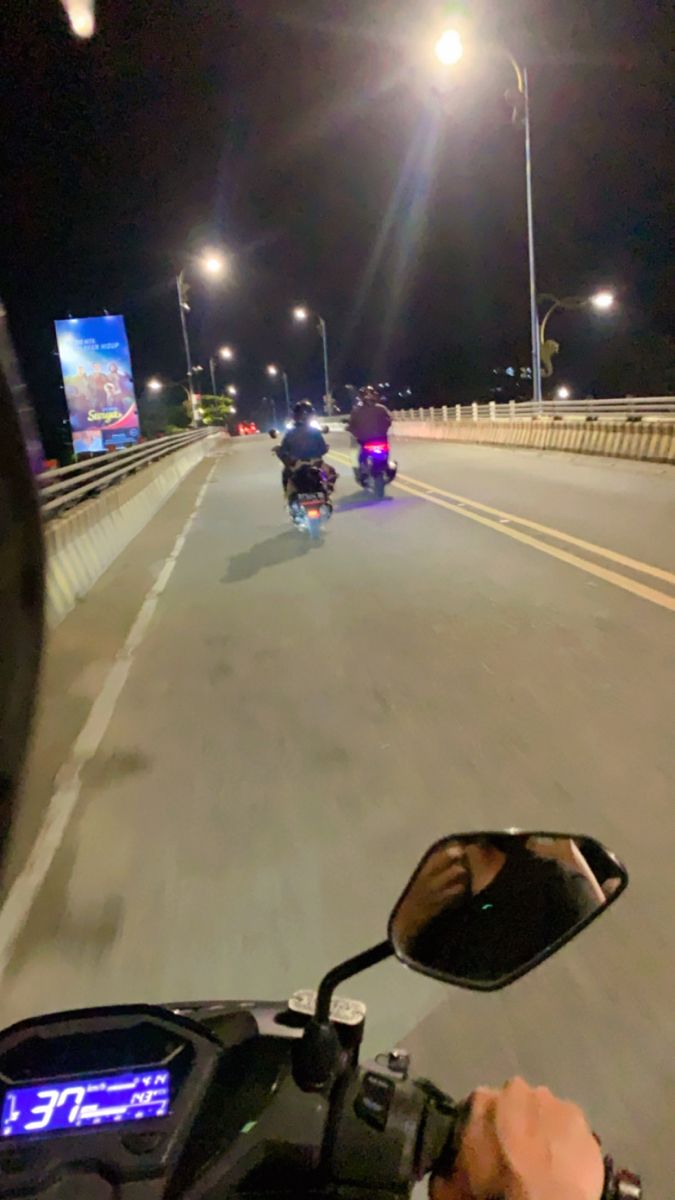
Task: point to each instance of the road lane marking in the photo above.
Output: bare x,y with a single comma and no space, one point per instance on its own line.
622,581
28,882
622,560
613,555
573,560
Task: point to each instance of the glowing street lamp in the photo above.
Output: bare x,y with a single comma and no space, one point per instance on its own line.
211,263
563,393
449,48
302,314
227,355
274,372
602,300
154,385
232,391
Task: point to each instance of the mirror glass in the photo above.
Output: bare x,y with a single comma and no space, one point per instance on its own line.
484,908
272,433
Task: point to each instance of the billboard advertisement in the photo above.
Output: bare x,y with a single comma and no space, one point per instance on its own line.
97,376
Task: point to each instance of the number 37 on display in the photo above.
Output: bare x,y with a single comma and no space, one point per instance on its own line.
55,1098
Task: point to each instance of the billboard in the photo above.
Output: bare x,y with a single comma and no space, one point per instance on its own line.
97,376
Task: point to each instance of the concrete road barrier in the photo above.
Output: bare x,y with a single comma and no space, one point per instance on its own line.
648,441
82,544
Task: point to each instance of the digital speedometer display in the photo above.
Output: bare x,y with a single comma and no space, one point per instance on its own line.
82,1103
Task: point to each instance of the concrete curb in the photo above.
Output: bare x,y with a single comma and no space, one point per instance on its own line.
82,544
646,441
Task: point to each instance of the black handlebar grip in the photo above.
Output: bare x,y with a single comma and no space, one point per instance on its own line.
441,1133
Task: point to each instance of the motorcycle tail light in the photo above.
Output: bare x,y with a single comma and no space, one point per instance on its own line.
376,447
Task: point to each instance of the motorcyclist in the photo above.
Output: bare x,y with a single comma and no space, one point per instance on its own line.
304,442
370,421
519,1142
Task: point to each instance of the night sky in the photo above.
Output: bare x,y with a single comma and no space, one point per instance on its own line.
305,137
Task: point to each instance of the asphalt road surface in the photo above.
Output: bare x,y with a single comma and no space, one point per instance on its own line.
290,726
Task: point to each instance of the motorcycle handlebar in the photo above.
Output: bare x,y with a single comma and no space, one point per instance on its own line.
391,1132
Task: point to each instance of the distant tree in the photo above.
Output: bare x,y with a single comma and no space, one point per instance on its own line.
638,364
216,410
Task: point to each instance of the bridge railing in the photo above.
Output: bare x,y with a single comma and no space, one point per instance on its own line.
64,487
629,408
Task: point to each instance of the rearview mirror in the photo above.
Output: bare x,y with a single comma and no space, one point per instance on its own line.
272,433
482,909
325,429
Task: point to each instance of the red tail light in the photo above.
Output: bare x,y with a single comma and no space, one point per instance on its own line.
376,447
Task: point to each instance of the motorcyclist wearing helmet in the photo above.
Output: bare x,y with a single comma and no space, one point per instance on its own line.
303,443
370,421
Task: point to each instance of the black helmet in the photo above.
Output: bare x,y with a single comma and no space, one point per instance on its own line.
303,410
21,605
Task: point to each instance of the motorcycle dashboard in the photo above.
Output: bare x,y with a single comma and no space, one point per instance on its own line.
86,1102
118,1089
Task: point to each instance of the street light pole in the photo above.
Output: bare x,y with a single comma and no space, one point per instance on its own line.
212,263
449,50
524,85
326,375
287,393
301,314
274,371
183,308
546,317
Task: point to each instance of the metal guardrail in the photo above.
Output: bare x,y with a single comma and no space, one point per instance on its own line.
629,408
64,487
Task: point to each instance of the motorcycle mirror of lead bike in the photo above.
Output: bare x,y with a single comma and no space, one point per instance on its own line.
479,911
273,434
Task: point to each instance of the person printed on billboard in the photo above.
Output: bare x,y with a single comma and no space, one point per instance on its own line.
98,396
122,384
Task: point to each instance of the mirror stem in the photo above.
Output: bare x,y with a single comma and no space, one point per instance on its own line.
345,970
316,1056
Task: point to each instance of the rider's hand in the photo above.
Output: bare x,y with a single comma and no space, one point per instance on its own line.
441,879
522,1143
